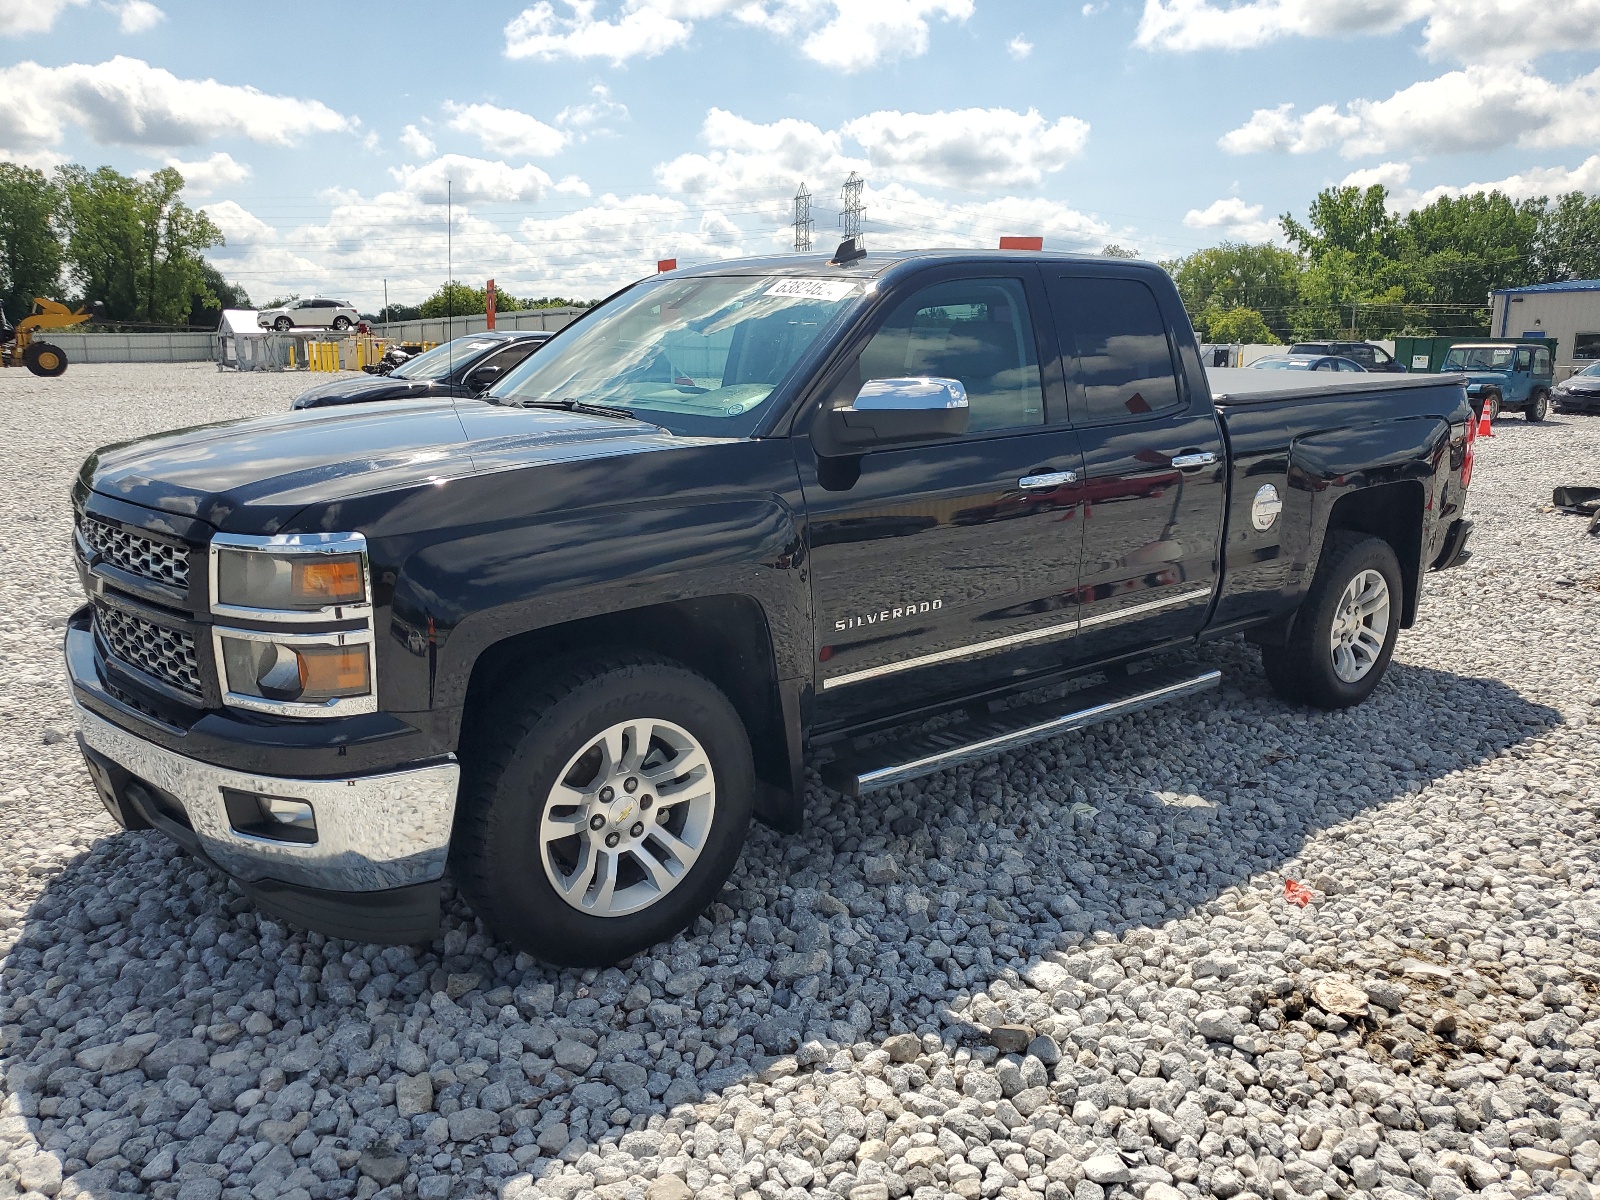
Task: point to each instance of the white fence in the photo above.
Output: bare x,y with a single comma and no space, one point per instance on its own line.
438,329
132,347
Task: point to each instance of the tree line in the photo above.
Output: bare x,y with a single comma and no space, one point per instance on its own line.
131,244
1354,268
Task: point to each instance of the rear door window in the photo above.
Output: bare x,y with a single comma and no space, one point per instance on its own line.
1125,365
1541,361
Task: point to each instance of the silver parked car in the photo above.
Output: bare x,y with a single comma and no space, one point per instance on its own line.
316,311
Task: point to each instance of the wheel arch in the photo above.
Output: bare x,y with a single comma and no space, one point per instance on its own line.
1392,512
724,637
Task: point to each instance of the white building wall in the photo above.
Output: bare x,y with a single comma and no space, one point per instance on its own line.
1561,315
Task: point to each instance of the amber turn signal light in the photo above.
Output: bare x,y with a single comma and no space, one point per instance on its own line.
327,671
329,581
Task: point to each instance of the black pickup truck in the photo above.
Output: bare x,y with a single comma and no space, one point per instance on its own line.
570,638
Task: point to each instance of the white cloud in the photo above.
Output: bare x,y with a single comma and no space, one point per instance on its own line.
125,101
848,35
21,17
586,116
505,131
466,180
1474,31
136,16
240,226
900,218
1019,47
973,148
1478,108
1389,175
1536,181
416,143
208,174
1234,219
573,186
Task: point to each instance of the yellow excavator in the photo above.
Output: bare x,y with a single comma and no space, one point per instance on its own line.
20,348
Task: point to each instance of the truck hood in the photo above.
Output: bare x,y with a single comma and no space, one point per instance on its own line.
284,462
358,390
1481,377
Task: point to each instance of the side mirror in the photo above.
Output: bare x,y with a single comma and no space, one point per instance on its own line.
889,411
482,377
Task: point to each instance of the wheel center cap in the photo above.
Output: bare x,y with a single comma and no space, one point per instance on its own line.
622,808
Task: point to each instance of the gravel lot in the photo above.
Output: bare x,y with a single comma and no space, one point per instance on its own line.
1069,972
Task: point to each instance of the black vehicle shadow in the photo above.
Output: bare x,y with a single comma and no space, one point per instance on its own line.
143,989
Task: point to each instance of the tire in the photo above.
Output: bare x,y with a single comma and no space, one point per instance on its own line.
283,324
1538,406
341,323
1494,406
508,850
1309,668
44,359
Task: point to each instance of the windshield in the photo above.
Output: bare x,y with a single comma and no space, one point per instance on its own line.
438,362
1283,364
696,356
1479,358
1594,370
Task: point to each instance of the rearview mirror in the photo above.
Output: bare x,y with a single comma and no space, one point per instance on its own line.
902,410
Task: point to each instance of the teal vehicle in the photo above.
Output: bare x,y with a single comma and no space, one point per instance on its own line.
1504,377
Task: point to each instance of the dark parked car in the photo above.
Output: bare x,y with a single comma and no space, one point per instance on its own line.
573,637
1371,358
1306,362
464,367
1580,393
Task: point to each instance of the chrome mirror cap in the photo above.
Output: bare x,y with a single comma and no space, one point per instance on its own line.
917,394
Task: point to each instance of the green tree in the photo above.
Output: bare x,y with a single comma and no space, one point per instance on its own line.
1115,251
1346,218
204,311
135,245
1238,325
30,246
1264,278
458,300
1568,244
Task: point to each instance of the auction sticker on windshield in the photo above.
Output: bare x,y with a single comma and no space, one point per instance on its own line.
815,289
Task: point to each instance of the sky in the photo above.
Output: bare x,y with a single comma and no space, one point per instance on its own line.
579,141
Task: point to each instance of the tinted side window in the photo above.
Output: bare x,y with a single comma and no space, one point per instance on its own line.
509,357
1124,358
1524,359
975,330
1362,355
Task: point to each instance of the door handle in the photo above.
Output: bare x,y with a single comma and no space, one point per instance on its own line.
1199,458
1036,483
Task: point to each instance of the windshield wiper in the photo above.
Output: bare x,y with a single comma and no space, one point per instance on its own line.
580,406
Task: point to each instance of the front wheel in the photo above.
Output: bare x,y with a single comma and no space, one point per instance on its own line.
1538,406
283,324
44,359
1344,634
605,809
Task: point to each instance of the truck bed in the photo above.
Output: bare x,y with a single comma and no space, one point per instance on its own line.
1232,386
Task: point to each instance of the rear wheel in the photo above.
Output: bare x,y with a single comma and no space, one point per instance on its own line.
341,323
1538,406
44,359
1344,633
605,810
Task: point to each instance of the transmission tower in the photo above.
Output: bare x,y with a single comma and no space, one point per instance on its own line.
802,220
850,217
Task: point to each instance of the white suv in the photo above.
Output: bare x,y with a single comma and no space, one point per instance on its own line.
316,311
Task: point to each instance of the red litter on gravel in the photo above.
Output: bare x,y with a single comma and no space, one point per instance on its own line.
1296,893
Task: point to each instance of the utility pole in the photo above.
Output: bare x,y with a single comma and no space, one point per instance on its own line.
386,301
802,220
850,217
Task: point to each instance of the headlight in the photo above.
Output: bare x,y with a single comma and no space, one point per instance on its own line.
294,631
295,582
312,674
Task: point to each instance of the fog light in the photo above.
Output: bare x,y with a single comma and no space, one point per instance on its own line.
277,818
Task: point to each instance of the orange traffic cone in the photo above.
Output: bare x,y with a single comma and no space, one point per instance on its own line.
1485,424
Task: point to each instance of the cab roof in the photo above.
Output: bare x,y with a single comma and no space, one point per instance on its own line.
879,262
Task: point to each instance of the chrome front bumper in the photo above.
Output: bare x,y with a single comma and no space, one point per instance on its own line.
374,833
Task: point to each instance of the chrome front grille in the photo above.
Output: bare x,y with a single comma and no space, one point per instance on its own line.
135,553
166,654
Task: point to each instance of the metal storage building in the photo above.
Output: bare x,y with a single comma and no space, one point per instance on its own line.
1568,312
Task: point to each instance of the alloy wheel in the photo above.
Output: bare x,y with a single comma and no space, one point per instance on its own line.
1360,626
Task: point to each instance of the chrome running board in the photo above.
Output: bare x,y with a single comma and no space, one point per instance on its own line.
858,771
